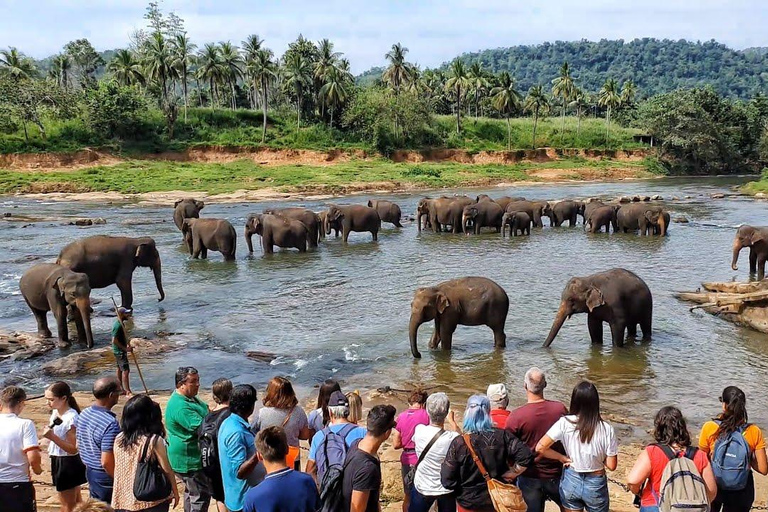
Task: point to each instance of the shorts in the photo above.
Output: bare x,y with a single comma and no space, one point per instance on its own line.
584,491
100,484
18,497
67,472
404,470
122,361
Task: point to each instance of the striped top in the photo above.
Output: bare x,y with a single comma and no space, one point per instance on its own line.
96,431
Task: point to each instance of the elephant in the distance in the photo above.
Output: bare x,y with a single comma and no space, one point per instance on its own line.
353,217
756,238
482,214
387,210
214,234
110,260
275,230
464,301
644,217
50,287
308,217
518,222
186,209
441,212
536,209
616,296
565,211
322,217
501,201
601,217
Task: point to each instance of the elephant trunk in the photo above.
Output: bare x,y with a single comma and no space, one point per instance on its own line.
156,269
327,225
504,221
662,225
248,237
413,331
84,307
562,315
465,223
418,219
736,249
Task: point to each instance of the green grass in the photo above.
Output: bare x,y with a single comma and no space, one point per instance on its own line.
759,186
137,176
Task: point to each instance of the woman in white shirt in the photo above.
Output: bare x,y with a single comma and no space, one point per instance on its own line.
67,469
590,447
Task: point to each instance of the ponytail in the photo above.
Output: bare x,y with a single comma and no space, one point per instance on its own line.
735,414
61,389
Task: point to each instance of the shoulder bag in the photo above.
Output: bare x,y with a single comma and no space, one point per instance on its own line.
150,482
409,477
505,497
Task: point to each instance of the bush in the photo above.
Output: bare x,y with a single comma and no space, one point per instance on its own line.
115,111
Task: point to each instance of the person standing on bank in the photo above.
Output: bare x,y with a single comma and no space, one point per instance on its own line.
529,423
237,452
19,452
281,409
209,435
402,437
183,416
319,418
67,470
120,347
497,394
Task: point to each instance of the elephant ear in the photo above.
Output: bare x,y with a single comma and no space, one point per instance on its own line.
57,285
177,203
757,236
442,303
370,204
200,204
594,298
144,250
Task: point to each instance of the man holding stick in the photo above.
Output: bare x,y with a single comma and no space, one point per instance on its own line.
120,347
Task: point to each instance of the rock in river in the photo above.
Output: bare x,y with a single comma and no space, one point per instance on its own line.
98,359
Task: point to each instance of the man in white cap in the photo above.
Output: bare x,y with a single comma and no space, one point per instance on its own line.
497,394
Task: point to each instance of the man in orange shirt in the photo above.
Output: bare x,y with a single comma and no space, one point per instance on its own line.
497,394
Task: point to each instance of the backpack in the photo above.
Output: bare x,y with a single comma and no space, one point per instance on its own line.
207,439
331,460
682,487
731,461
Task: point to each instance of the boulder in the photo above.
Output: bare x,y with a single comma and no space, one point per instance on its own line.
19,345
657,197
682,219
96,360
717,196
760,195
87,222
625,199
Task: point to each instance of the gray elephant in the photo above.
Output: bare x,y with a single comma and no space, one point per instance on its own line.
324,224
536,209
307,217
387,210
647,218
464,301
616,296
276,230
565,211
214,234
442,211
186,209
601,217
501,201
518,222
353,217
49,287
756,238
110,260
483,214
590,206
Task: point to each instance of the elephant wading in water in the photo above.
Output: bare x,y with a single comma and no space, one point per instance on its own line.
756,238
353,217
536,210
501,201
482,214
276,230
387,210
214,234
616,296
565,211
442,211
599,217
186,209
465,301
517,222
110,260
650,220
49,287
306,217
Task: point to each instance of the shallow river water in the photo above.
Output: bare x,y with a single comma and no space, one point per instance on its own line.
343,310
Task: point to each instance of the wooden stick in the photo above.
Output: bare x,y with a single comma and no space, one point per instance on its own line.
133,353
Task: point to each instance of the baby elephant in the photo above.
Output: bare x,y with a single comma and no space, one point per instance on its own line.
276,230
517,222
387,210
602,216
213,234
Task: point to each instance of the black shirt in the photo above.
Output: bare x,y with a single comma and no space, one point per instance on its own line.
499,450
362,472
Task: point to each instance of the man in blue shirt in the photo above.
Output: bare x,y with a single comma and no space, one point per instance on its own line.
283,490
237,452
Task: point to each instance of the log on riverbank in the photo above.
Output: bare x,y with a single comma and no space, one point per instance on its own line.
741,303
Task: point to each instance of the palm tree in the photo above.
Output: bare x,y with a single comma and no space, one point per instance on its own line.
211,68
581,101
61,68
478,82
263,70
628,91
182,54
506,100
17,65
298,74
325,63
563,87
231,62
609,98
157,62
398,73
535,102
334,92
125,68
250,48
457,84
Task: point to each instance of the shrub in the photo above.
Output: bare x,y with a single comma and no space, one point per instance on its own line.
115,111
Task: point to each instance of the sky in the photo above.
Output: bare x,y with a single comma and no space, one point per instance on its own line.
433,31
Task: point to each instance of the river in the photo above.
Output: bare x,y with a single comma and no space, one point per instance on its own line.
343,310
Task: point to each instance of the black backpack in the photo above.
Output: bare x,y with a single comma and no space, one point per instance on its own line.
332,460
208,440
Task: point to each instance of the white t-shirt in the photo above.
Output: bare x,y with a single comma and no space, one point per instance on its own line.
17,436
68,422
585,457
427,479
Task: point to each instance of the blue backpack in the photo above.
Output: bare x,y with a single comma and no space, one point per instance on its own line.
731,461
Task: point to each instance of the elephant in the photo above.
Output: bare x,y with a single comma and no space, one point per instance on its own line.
354,217
648,219
214,234
565,211
276,230
50,287
335,225
589,207
482,214
110,260
756,238
186,209
501,201
307,217
517,221
536,209
464,301
616,296
440,212
599,217
387,210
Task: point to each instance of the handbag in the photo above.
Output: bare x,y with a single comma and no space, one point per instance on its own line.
410,476
150,482
505,497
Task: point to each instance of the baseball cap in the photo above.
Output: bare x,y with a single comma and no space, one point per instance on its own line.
497,392
337,398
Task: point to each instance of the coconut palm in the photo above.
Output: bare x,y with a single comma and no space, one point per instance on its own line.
628,91
61,70
250,48
156,61
580,102
210,67
262,69
334,91
298,75
232,64
458,84
536,102
563,88
16,65
609,98
125,68
327,60
398,73
478,82
506,100
182,53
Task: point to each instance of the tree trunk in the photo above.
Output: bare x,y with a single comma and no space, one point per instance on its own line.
264,110
458,110
199,92
234,101
477,102
578,124
509,135
331,125
607,126
26,134
184,85
212,99
562,128
535,121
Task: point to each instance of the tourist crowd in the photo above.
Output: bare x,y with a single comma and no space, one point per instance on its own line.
248,460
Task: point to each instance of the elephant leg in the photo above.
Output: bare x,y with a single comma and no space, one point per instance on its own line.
446,334
42,321
761,267
631,330
345,234
752,261
618,327
595,326
375,235
60,313
645,325
126,291
197,248
267,244
80,326
499,337
434,341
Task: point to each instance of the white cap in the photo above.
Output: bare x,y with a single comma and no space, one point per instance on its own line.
497,392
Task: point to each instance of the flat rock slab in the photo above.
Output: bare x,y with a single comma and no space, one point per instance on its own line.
21,345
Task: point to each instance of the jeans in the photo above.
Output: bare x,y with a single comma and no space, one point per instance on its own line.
584,491
99,484
197,494
421,503
649,508
536,491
